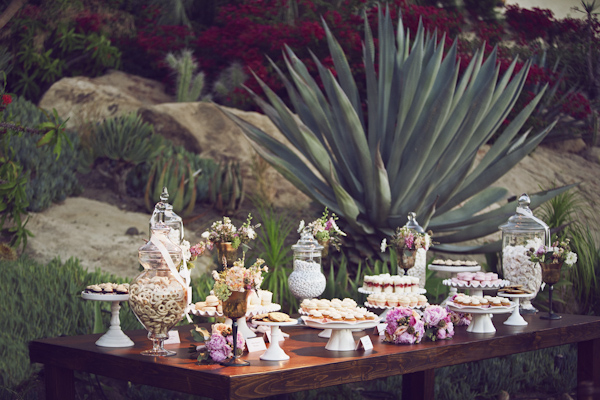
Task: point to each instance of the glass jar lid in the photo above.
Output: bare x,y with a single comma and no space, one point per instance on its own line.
307,243
412,223
163,212
524,220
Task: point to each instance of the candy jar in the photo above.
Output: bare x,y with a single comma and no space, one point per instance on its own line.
158,295
522,232
420,259
163,212
307,280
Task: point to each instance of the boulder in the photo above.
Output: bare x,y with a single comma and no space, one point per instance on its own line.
198,126
202,128
82,99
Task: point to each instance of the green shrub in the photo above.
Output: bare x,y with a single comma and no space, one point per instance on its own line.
51,179
186,176
119,144
44,301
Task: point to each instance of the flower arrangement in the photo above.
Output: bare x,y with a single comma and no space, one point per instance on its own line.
438,323
459,318
222,232
404,325
559,252
325,229
217,345
407,239
238,278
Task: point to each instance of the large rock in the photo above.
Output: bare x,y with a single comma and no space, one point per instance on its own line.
202,128
83,99
198,126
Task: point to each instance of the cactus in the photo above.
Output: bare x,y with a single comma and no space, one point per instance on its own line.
189,84
227,187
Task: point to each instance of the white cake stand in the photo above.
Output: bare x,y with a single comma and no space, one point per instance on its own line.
516,319
243,328
274,351
482,321
365,291
114,337
476,290
341,332
455,270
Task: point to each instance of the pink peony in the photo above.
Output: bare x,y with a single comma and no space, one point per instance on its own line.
433,315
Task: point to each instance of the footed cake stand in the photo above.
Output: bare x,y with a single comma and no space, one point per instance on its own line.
516,319
476,290
114,337
243,328
341,332
482,321
455,270
274,351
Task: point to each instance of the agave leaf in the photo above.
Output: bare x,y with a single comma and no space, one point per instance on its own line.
442,223
344,72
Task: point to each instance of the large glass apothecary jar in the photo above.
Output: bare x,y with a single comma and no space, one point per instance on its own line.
523,231
307,280
158,295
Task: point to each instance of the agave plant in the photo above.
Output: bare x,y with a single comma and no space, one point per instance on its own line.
413,150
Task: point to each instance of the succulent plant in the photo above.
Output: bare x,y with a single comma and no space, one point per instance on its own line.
227,187
414,148
121,143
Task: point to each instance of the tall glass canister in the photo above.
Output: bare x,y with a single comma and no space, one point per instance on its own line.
523,231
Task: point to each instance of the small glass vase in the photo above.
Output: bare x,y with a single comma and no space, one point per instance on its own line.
226,255
235,307
550,275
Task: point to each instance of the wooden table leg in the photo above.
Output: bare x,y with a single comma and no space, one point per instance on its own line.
588,366
419,385
60,383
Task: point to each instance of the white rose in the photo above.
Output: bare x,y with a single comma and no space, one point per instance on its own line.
571,258
205,235
383,245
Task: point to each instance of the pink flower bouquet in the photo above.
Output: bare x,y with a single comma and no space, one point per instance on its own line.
218,345
438,323
404,325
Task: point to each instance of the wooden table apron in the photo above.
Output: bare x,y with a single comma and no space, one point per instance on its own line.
310,365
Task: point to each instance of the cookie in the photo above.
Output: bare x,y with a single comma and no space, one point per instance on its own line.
279,317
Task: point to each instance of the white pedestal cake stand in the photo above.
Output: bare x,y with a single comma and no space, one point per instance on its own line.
274,351
114,337
455,270
341,332
386,309
243,328
516,319
482,321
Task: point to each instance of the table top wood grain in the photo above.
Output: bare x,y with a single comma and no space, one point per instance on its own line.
310,366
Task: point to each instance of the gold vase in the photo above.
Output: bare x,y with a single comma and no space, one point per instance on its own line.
406,258
551,272
236,305
551,275
325,244
226,254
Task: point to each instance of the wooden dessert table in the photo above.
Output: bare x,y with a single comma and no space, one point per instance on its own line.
310,366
